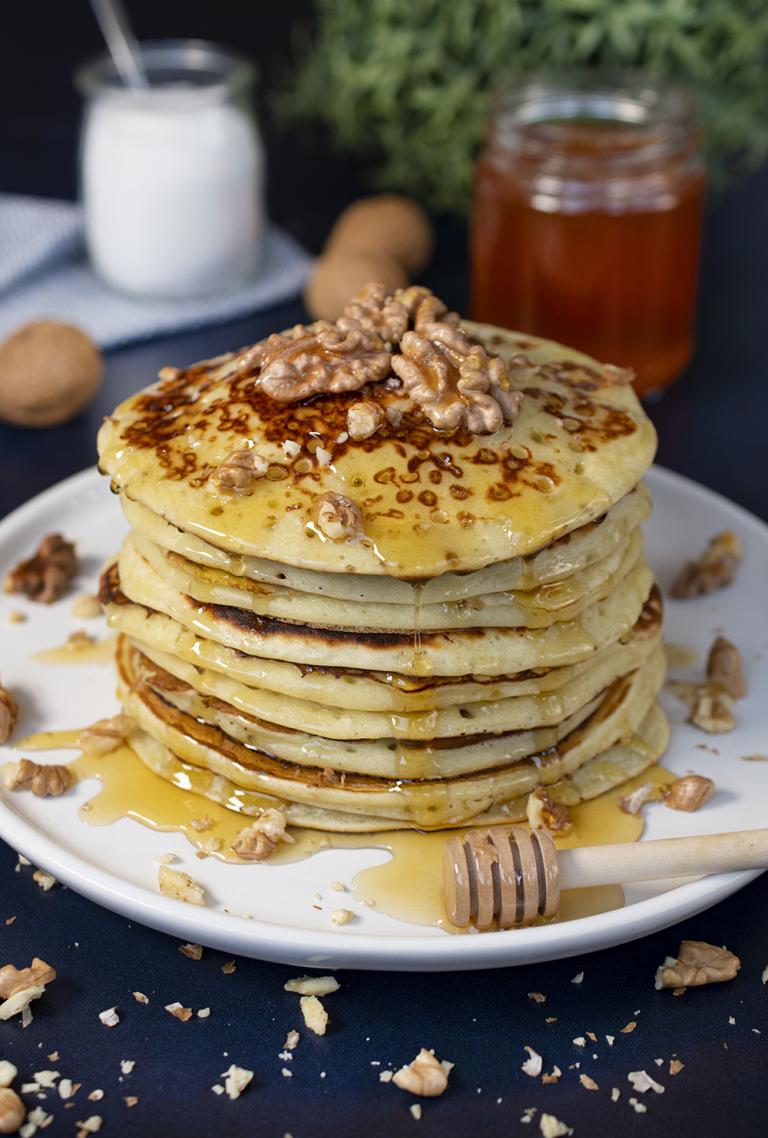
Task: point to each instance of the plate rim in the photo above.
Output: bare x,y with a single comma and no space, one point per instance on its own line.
304,947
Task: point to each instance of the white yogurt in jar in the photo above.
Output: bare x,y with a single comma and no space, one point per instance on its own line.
172,186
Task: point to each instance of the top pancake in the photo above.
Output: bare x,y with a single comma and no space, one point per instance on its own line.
431,502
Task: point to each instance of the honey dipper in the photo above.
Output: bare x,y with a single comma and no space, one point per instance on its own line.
513,876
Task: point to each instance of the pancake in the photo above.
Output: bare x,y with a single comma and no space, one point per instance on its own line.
425,803
570,554
431,501
492,651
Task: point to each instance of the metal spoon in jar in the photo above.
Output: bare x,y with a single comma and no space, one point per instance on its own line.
122,44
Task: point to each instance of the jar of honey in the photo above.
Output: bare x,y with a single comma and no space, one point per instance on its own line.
587,217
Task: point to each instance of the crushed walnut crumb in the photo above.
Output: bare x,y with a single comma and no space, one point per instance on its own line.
258,840
697,963
179,1011
44,880
552,1127
236,1079
140,998
364,419
533,1064
44,780
315,1016
179,885
425,1075
46,576
588,1083
312,985
642,1083
191,951
689,793
228,967
713,569
342,916
12,1111
19,986
109,1017
544,813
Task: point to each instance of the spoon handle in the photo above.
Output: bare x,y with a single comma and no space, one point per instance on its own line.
121,42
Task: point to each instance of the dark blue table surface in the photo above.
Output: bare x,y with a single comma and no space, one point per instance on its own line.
712,428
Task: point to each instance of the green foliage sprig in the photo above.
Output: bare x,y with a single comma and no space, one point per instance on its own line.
406,83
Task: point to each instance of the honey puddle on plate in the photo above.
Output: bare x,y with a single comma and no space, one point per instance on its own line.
95,652
407,886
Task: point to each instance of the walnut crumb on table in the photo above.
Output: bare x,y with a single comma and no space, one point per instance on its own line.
315,1016
697,963
312,985
425,1075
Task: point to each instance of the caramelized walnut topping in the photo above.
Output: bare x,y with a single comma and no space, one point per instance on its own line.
319,359
375,310
425,1076
697,963
544,813
239,473
257,841
713,711
423,307
454,382
689,793
364,420
9,713
715,568
338,518
724,668
105,735
46,781
47,574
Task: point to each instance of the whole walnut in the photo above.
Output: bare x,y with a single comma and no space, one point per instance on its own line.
386,223
338,276
48,372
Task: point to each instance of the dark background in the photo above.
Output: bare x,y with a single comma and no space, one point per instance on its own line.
712,427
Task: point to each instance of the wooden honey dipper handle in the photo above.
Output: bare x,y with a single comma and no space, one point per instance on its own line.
512,875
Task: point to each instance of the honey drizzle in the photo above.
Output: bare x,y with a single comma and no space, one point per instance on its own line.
406,887
97,652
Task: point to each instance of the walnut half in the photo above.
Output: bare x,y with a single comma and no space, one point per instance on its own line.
697,963
45,780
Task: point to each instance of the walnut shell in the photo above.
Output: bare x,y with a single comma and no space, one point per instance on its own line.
388,224
338,276
48,372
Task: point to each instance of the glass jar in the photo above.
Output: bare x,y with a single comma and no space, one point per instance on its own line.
587,217
172,176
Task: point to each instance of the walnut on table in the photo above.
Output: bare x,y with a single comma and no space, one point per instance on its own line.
697,963
715,568
46,576
425,1076
44,780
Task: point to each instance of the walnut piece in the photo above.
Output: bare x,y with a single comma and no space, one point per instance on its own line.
238,474
312,985
689,793
364,420
13,980
236,1079
724,668
104,735
315,1015
633,802
715,568
545,814
179,885
375,310
9,713
425,1076
44,780
320,359
713,711
257,841
338,518
454,382
618,376
47,574
697,963
12,1111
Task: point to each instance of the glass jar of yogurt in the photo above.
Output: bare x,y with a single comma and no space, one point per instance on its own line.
172,176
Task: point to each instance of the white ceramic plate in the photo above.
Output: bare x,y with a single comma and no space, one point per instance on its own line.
114,865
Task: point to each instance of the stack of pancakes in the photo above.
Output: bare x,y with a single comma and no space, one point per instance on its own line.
488,625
